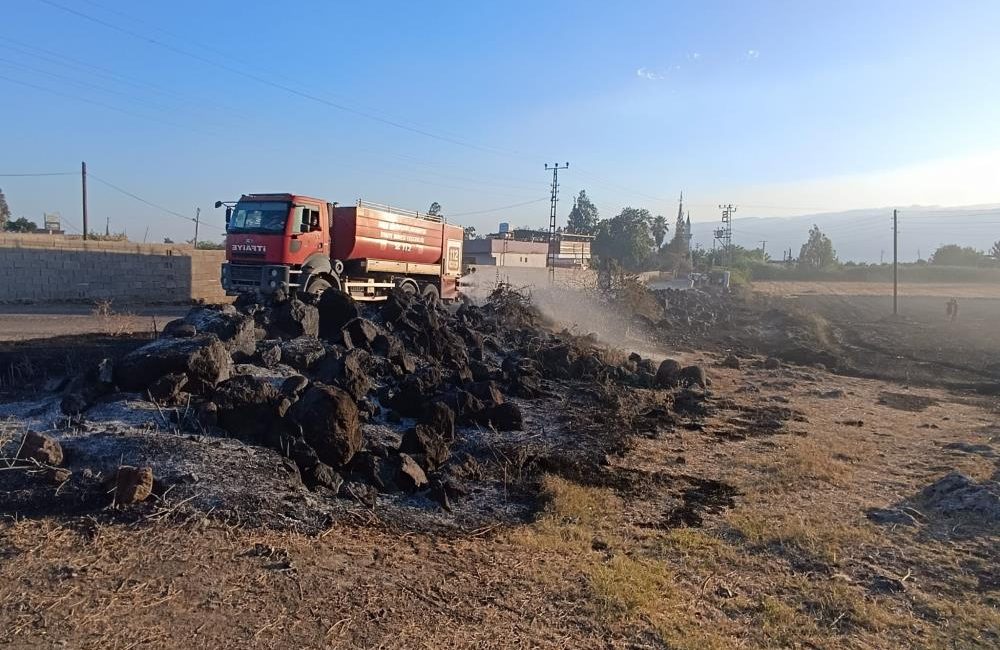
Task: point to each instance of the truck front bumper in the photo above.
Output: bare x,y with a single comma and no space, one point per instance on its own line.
242,278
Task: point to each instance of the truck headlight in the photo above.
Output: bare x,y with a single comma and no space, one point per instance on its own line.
225,269
274,273
273,284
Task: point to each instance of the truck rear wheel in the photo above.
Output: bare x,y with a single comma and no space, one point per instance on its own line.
431,294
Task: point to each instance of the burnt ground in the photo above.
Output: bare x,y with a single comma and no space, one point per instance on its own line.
781,507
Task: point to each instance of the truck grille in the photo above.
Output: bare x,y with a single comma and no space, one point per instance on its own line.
245,275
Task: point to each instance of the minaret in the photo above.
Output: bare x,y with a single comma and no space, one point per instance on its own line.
687,232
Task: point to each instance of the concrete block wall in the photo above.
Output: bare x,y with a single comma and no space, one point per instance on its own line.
46,268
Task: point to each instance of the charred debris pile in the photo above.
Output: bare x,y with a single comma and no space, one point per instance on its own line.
382,398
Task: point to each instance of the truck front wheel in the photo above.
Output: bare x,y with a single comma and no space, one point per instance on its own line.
318,285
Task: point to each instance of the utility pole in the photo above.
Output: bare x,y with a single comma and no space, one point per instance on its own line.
552,217
726,232
107,226
763,249
895,262
197,219
83,181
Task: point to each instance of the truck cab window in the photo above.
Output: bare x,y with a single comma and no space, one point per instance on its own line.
307,218
259,217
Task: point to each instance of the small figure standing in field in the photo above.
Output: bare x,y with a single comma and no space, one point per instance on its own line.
951,309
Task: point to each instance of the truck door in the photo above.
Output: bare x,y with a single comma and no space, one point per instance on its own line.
307,234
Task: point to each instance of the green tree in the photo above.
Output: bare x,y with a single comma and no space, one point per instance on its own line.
21,224
659,230
626,238
817,252
210,246
955,255
4,211
583,217
470,232
434,210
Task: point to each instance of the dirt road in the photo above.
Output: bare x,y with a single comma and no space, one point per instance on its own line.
22,322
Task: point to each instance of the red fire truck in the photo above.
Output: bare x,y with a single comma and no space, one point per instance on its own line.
291,243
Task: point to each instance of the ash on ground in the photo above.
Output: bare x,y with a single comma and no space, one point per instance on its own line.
296,412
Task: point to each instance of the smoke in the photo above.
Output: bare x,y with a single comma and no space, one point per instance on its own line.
571,300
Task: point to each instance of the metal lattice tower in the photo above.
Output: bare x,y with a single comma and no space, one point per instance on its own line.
552,217
725,234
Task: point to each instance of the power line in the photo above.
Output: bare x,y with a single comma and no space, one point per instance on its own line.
103,105
274,84
39,174
497,209
142,200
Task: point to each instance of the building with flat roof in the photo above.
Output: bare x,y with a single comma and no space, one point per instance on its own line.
506,252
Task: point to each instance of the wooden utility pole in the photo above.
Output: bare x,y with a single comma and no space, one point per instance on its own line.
895,262
83,180
197,218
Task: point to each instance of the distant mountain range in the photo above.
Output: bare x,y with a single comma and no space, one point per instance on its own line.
866,235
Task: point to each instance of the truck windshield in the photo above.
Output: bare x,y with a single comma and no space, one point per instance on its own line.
259,216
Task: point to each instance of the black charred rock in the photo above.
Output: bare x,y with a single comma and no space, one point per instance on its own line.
248,409
179,329
336,309
411,476
668,374
359,333
354,377
488,393
268,353
693,376
167,388
294,318
293,386
235,330
329,421
441,418
480,371
505,417
302,353
322,475
425,441
203,358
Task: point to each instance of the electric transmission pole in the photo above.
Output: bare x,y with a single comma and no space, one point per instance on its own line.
727,232
763,249
552,217
83,182
895,262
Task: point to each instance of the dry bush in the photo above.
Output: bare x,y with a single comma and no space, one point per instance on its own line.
112,322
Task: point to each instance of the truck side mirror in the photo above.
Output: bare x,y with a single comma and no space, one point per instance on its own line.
229,214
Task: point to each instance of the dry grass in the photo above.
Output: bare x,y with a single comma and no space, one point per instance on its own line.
111,321
801,534
805,462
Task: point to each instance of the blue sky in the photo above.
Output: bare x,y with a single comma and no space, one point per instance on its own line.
780,107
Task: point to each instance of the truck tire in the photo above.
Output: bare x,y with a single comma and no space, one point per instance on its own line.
409,287
318,285
431,294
